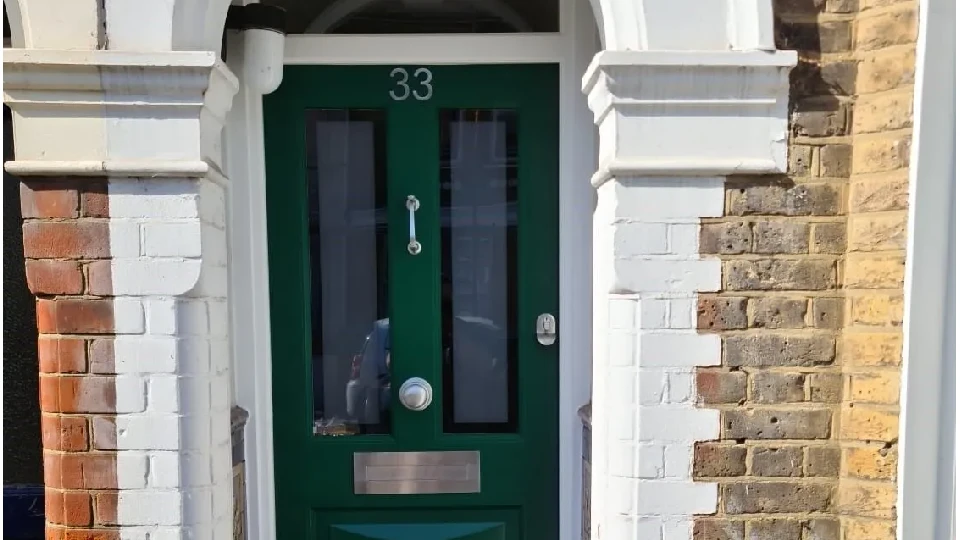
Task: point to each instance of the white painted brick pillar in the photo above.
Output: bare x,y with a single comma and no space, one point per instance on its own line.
148,124
672,125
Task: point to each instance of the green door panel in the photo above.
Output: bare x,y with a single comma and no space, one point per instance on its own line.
480,155
419,531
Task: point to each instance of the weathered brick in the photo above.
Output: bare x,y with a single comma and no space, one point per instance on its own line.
773,529
874,462
883,112
879,387
874,272
66,239
78,394
799,159
773,387
822,461
102,358
815,78
826,37
777,461
830,238
777,312
835,160
878,232
61,355
785,200
94,200
781,237
40,199
869,530
872,499
83,534
866,423
721,312
776,497
878,309
99,278
776,424
779,275
71,508
818,118
106,508
725,238
885,70
778,350
717,529
80,470
51,277
104,432
64,433
827,312
822,529
75,316
875,194
714,460
886,29
871,349
715,386
825,387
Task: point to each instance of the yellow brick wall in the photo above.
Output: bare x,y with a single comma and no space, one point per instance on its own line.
873,268
812,292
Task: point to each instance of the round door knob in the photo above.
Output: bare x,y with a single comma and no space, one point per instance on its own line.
416,394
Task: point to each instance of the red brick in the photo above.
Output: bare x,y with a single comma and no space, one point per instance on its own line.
71,508
50,393
94,201
61,355
106,508
77,394
102,356
77,509
104,433
99,278
88,471
87,394
53,532
75,316
54,277
47,200
53,505
66,433
66,239
91,534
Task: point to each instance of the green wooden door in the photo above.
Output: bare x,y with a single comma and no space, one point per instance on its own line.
356,312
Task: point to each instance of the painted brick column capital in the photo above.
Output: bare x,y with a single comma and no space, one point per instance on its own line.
671,125
689,113
116,113
125,239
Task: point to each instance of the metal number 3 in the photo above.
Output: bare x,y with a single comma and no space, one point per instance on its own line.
422,76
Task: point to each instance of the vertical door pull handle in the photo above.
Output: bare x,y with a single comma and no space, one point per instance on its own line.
413,247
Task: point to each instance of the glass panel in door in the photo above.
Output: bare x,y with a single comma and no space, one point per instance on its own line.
478,214
346,185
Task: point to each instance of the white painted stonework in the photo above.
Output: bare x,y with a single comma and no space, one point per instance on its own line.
678,101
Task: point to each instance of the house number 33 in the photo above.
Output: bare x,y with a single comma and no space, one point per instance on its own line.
420,87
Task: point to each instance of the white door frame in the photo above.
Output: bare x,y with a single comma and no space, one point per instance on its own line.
572,49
